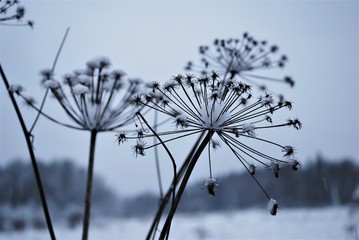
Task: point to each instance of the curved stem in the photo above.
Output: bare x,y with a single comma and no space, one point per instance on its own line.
89,183
166,228
158,169
165,199
32,157
174,182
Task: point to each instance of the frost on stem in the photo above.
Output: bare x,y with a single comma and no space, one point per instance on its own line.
224,106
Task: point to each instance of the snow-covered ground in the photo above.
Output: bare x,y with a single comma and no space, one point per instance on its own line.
320,223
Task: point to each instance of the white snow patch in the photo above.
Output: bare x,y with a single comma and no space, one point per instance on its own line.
299,223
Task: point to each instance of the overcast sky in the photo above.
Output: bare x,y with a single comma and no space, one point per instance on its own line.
153,40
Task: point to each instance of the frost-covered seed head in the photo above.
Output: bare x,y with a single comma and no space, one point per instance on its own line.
288,151
121,137
295,165
295,123
222,108
211,185
248,128
181,121
267,100
241,58
275,168
139,148
272,206
91,97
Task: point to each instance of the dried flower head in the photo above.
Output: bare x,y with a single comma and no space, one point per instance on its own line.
139,148
242,58
93,98
211,185
222,107
272,206
121,137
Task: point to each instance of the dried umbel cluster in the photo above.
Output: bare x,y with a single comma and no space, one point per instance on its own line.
94,98
244,58
11,13
223,108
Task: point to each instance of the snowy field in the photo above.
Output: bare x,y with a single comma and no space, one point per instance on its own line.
321,223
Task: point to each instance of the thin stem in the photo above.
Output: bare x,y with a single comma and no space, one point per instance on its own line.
209,160
167,225
168,152
165,199
28,137
89,183
52,70
158,169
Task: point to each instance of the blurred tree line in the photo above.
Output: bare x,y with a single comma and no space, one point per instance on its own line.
64,184
319,183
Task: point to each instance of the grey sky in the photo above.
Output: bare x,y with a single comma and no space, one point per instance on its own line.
153,40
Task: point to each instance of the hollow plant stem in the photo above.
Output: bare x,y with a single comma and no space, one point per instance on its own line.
28,137
192,163
89,184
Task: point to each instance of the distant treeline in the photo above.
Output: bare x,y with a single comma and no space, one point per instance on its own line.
319,183
64,185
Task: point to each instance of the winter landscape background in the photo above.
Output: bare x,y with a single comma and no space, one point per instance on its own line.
316,203
153,40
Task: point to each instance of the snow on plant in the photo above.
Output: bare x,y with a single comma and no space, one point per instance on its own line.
224,108
243,58
93,101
